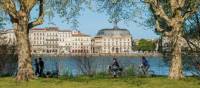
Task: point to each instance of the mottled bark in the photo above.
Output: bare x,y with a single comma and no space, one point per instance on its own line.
176,71
25,70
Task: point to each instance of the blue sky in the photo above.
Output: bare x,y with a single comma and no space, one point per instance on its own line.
91,22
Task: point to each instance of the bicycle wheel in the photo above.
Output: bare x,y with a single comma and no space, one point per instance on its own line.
151,73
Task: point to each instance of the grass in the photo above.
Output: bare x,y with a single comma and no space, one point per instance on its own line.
101,82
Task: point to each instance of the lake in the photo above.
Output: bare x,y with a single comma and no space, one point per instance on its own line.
73,64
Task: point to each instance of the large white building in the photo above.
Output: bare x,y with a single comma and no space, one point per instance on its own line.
112,41
50,40
81,43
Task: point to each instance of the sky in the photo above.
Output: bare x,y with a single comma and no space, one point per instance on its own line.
91,22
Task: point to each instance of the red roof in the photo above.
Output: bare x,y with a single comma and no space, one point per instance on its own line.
39,29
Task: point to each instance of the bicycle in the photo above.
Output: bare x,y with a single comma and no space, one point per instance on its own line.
145,71
115,71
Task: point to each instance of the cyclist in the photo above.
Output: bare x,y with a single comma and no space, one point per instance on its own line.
145,65
115,68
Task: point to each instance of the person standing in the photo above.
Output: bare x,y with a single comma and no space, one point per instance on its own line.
41,66
36,67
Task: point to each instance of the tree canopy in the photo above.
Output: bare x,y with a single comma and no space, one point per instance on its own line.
117,10
146,45
68,10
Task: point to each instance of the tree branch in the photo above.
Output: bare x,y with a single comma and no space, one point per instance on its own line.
169,34
182,3
9,7
177,5
191,10
40,18
27,5
192,43
161,30
158,9
158,28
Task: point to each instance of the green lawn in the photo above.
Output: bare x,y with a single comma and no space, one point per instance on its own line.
85,82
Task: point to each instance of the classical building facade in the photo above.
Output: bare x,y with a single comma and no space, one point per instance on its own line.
53,41
112,41
50,40
81,43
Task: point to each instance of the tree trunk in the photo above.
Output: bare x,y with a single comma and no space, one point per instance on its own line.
25,70
176,62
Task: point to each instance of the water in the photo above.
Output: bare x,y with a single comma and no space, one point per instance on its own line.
100,63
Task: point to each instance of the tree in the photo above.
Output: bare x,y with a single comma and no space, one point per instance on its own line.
146,45
19,13
20,20
170,16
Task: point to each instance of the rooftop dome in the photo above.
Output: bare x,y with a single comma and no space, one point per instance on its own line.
113,32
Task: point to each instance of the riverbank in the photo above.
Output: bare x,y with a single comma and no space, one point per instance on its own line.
87,82
134,54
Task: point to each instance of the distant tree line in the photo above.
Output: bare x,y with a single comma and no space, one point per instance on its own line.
144,45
